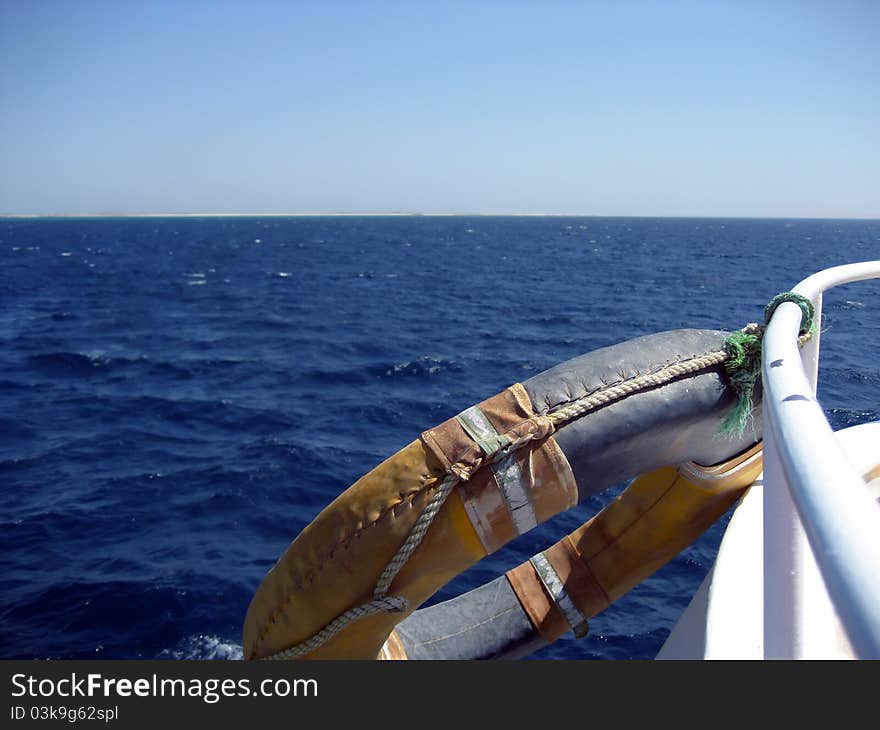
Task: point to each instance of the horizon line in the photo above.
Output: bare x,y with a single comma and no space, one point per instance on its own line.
403,214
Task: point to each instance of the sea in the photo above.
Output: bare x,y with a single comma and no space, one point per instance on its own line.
180,396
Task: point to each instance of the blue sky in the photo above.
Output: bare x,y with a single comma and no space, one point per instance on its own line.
739,108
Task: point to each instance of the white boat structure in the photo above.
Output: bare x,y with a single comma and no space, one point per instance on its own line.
797,575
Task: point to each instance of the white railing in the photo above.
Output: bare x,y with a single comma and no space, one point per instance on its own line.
821,526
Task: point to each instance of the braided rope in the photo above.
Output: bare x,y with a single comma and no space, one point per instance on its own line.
392,604
584,405
381,603
415,536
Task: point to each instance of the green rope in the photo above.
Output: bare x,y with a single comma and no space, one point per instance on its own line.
808,326
743,363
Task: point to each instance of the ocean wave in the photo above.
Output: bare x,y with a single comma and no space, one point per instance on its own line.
77,619
73,363
101,363
426,365
204,647
841,418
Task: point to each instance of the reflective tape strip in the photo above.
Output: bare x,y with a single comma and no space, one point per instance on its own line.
481,430
508,474
553,583
509,478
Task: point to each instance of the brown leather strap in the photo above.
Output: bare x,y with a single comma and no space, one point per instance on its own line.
457,451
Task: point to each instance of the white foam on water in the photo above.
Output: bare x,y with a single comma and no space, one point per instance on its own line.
97,357
203,646
66,253
426,363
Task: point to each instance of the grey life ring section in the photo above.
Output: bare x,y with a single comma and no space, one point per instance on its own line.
671,424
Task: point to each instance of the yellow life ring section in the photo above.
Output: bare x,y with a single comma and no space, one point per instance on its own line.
494,471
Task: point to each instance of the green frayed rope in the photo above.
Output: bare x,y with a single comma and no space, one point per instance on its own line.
808,326
743,363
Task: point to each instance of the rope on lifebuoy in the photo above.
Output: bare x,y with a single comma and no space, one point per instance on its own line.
741,356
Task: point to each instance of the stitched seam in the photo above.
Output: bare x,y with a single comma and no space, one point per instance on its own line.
464,630
621,379
300,583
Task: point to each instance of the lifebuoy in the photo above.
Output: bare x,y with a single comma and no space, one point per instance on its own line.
468,486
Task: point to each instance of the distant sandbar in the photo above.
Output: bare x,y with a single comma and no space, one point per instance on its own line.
272,215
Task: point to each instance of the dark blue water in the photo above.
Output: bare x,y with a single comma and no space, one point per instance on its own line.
179,397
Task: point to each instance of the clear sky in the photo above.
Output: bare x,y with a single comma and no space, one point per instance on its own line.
737,108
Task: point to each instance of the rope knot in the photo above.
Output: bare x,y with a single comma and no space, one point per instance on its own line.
544,427
743,363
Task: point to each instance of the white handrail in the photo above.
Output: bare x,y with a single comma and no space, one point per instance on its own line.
840,519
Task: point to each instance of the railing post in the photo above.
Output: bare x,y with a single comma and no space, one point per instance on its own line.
812,491
780,557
